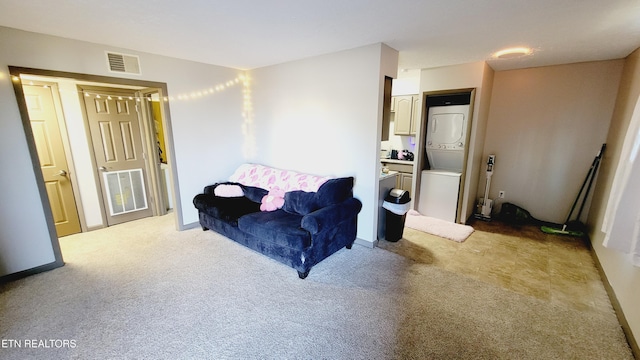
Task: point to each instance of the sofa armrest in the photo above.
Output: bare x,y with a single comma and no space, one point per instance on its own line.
208,190
330,216
229,209
254,194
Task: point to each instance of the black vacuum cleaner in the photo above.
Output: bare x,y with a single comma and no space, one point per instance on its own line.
575,227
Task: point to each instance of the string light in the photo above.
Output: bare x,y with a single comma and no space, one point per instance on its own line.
196,94
248,128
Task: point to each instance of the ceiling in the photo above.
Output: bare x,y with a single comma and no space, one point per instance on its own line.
248,34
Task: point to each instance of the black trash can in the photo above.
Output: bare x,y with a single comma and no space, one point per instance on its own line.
396,204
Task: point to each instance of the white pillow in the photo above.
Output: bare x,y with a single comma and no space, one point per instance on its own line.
228,190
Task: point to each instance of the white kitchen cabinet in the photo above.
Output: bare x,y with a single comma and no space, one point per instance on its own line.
406,114
404,179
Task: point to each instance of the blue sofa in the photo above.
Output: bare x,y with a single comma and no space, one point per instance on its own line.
308,228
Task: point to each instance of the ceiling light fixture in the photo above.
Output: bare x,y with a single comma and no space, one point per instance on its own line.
512,53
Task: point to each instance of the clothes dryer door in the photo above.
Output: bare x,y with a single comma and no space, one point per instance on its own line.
447,129
446,137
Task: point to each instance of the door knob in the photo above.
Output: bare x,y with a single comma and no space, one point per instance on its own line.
62,173
102,168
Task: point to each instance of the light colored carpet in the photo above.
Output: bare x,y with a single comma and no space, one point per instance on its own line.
441,228
142,290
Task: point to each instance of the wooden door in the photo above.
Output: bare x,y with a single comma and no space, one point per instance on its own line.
53,161
118,148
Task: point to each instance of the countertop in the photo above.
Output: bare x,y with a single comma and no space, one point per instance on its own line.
396,161
388,175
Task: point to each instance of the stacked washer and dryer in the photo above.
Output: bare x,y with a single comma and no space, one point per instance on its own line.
445,147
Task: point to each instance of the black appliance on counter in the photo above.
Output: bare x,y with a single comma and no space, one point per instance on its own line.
407,155
402,155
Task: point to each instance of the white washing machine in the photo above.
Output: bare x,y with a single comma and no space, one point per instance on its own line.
439,194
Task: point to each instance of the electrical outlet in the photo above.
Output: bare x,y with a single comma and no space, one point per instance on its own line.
501,194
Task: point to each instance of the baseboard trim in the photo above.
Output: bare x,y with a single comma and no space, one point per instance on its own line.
192,225
96,227
367,244
616,306
29,272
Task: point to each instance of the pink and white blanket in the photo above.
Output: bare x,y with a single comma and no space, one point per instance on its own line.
270,178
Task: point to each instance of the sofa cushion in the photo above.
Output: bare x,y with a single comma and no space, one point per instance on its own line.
228,209
334,191
276,227
253,193
300,202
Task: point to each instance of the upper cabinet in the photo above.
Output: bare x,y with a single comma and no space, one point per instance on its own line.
406,108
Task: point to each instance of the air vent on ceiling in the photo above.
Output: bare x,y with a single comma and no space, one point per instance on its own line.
123,63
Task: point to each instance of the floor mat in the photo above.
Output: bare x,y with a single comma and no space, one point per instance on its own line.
442,228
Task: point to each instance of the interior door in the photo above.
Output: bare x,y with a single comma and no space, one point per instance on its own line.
119,153
53,161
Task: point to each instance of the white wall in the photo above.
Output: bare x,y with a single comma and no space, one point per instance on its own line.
407,83
623,277
545,127
323,116
207,133
24,236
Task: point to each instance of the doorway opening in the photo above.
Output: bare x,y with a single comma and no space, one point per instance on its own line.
445,138
145,137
